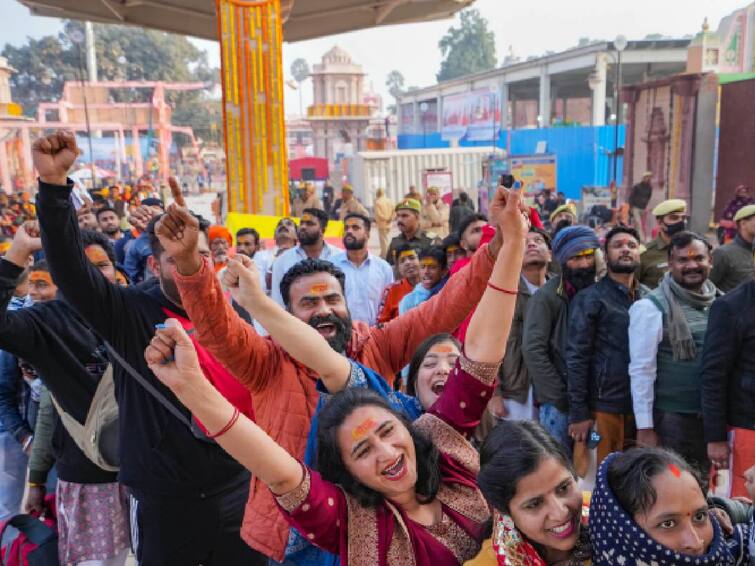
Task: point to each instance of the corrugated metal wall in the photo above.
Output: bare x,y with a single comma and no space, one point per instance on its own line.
584,154
396,171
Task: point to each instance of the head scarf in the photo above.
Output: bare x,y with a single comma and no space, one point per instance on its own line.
572,240
618,539
220,232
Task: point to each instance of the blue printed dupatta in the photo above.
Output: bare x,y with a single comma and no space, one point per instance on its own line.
298,549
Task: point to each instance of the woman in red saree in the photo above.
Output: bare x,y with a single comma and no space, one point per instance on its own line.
388,493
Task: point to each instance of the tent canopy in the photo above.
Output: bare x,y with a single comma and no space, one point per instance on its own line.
304,19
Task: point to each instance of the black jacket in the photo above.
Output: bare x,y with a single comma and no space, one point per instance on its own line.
68,358
597,351
728,366
159,455
544,343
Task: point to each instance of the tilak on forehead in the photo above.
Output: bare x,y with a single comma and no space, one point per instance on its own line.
42,276
452,249
442,348
429,262
407,253
96,254
307,218
675,470
363,429
318,288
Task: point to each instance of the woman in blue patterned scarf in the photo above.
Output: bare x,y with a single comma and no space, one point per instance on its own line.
648,509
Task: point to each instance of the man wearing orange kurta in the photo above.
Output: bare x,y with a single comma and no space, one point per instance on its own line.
283,390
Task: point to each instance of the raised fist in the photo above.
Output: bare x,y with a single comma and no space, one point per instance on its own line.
54,155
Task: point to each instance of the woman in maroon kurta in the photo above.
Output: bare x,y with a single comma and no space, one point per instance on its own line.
390,493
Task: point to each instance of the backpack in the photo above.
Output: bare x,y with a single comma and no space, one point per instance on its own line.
97,438
37,540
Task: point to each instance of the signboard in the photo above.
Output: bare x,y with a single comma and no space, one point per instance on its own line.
592,196
444,180
474,115
536,172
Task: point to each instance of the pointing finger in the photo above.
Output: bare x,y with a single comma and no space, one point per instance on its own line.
176,191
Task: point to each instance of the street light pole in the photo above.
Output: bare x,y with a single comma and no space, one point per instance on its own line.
620,43
77,37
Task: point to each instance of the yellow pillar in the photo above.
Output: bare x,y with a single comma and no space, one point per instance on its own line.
251,41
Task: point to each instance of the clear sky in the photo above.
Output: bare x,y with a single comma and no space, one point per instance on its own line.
530,28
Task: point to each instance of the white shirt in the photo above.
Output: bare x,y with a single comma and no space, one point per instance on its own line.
364,285
645,334
287,260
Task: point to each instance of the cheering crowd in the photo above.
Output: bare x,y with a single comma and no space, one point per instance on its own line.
492,391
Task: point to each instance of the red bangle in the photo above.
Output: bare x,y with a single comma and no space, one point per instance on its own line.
227,427
502,290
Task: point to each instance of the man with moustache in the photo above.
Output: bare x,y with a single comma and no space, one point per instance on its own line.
666,335
284,391
312,245
247,242
597,351
408,223
514,399
546,327
671,217
366,274
109,223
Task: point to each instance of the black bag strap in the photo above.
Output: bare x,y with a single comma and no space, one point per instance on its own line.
35,530
152,390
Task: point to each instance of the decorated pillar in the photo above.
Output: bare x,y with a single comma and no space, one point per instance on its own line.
251,40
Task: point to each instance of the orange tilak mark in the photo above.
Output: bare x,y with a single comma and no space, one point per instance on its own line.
428,263
442,348
41,276
318,288
362,430
674,470
407,253
96,254
691,253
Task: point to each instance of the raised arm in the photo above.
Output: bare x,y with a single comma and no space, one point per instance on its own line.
250,357
96,299
470,385
300,340
172,358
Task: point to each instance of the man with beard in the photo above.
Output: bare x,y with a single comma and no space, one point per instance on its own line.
671,216
366,275
109,223
407,221
247,242
86,218
514,399
284,390
597,351
666,334
220,244
408,270
470,233
312,245
187,494
546,327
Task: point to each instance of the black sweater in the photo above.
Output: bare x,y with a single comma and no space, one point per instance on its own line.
65,353
728,366
158,453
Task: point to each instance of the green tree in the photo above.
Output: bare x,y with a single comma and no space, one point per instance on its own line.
466,49
123,53
395,83
300,72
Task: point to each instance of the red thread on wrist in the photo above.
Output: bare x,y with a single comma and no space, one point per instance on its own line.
502,290
227,427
